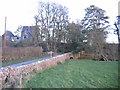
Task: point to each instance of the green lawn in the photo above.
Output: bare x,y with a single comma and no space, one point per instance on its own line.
77,74
21,60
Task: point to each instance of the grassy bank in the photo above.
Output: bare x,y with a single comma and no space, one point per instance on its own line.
21,60
77,74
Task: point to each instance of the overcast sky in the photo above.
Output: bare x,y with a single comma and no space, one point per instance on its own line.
22,12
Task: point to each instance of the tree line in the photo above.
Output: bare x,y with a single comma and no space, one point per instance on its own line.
58,34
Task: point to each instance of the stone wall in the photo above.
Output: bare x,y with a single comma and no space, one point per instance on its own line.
12,77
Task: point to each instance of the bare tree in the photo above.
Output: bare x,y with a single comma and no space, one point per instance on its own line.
51,18
97,43
117,25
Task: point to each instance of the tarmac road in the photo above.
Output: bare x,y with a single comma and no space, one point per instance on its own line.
27,62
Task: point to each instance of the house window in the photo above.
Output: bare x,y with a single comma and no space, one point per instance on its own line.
17,37
24,36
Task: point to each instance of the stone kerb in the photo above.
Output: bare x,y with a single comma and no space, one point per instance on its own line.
12,77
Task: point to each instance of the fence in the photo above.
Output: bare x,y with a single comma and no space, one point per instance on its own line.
15,53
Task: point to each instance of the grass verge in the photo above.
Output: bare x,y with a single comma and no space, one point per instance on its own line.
20,61
77,74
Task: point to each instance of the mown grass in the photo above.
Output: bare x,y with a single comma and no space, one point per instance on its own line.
20,61
77,74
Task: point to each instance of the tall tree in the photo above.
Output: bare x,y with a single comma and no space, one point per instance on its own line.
95,19
95,22
52,18
117,25
75,37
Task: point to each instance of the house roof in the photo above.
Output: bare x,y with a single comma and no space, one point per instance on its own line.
9,33
28,29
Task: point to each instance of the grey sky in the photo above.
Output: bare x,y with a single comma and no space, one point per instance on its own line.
21,12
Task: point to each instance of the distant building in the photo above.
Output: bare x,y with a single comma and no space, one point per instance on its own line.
9,36
27,33
16,38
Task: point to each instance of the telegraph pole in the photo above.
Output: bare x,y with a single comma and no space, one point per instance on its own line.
5,33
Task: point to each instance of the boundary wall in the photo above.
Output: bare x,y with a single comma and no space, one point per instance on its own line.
12,77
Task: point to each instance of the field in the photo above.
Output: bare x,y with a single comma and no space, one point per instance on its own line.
77,74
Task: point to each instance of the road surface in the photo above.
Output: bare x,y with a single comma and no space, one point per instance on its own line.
28,62
25,63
